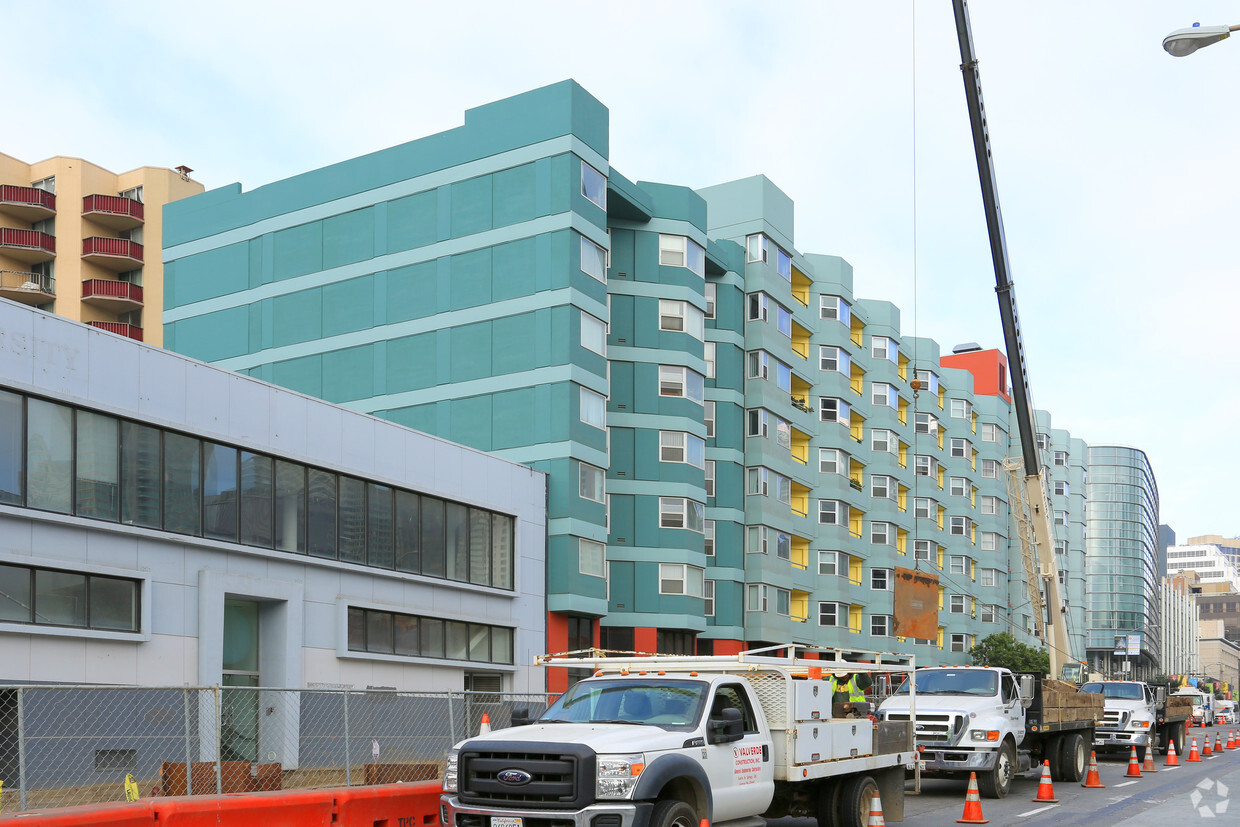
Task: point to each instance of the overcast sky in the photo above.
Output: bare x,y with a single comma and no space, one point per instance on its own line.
1118,165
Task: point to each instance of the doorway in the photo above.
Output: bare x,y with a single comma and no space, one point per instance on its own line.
239,706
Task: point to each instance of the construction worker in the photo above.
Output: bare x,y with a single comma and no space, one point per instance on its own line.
849,690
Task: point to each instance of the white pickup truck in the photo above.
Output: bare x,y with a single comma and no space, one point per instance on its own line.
996,723
666,741
1203,706
1138,715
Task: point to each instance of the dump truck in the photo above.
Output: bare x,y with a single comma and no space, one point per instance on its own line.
995,722
1139,715
667,741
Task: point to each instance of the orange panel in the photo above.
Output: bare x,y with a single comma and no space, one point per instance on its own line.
408,805
115,814
303,808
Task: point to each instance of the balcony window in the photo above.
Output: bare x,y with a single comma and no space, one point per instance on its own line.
756,247
680,317
591,482
832,512
921,549
593,259
956,604
678,446
680,512
959,487
880,625
884,395
712,291
990,468
593,408
593,185
593,334
925,508
678,381
961,409
960,448
832,461
882,347
835,308
783,264
882,487
832,614
831,409
880,580
991,432
678,578
882,534
884,441
681,251
1061,458
829,563
832,358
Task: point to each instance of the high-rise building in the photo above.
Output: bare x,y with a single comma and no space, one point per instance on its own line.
83,242
737,452
1122,558
1180,631
1211,563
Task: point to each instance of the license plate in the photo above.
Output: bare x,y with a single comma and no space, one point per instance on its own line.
496,821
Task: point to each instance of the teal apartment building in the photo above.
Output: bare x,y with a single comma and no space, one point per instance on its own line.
739,449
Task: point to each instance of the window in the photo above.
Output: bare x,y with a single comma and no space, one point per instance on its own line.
758,307
921,549
990,468
590,482
833,358
47,184
708,591
959,486
593,334
829,563
783,320
590,556
710,477
832,512
929,381
680,512
884,441
758,597
1043,441
783,433
990,505
832,614
783,264
1061,547
832,461
960,643
880,580
834,307
593,408
958,564
708,528
960,448
593,185
680,251
678,446
1061,517
758,481
990,613
960,526
925,466
755,247
956,604
712,292
759,365
961,409
882,534
593,259
708,417
708,354
759,424
882,347
991,432
678,578
678,381
880,625
925,423
990,541
49,597
882,487
831,409
783,602
925,508
883,394
1061,488
990,577
392,633
1061,457
1063,577
681,317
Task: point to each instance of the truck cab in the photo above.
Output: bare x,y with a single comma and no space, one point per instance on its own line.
1130,715
1203,706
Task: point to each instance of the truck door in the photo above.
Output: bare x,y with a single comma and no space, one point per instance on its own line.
741,773
1013,710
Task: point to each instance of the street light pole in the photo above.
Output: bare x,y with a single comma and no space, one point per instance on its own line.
1183,42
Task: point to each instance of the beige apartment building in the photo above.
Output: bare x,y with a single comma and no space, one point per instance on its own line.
82,242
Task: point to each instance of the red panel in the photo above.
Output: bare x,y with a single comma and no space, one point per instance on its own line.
114,814
304,808
408,805
729,647
645,639
989,369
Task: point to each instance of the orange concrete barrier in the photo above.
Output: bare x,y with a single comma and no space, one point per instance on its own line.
113,814
407,805
289,808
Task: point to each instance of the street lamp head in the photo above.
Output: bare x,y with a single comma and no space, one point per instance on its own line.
1183,42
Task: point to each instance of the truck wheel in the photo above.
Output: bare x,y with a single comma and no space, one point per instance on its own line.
855,800
673,813
1177,737
1073,757
828,802
998,782
1052,751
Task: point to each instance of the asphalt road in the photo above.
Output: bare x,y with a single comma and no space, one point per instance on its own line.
1159,799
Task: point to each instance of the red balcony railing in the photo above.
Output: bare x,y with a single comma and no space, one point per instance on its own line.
112,252
113,210
28,245
26,287
120,329
41,201
121,291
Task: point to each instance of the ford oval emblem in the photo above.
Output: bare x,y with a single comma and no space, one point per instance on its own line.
515,777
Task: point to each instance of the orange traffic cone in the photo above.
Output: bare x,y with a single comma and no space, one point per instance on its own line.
972,805
1134,768
1206,752
1046,792
1091,778
485,726
876,812
1218,742
1148,766
1173,760
1231,739
1193,755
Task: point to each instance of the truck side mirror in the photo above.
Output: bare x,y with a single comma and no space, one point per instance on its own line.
1026,690
1160,695
725,727
520,717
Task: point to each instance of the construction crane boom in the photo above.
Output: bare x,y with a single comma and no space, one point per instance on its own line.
1032,514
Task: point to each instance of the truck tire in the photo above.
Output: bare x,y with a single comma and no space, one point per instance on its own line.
1052,751
1074,757
828,802
855,798
997,783
1177,737
673,813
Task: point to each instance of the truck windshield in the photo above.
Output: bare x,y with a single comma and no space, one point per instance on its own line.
666,704
953,682
1118,691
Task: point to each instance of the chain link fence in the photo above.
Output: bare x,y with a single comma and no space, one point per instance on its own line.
67,745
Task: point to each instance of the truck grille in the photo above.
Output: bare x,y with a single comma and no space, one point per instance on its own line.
1111,718
932,728
561,775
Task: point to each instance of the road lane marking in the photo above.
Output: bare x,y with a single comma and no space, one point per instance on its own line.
1125,784
1035,812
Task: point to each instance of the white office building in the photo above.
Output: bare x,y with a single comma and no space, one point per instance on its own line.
1208,560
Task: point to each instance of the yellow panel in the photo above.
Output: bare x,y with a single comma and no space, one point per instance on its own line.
903,410
973,495
942,396
939,437
901,541
903,369
940,477
857,328
856,470
856,427
854,570
856,378
941,589
973,570
939,563
800,500
856,521
973,460
800,606
800,552
800,340
939,518
940,640
800,446
973,533
854,619
800,286
974,423
902,497
903,455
